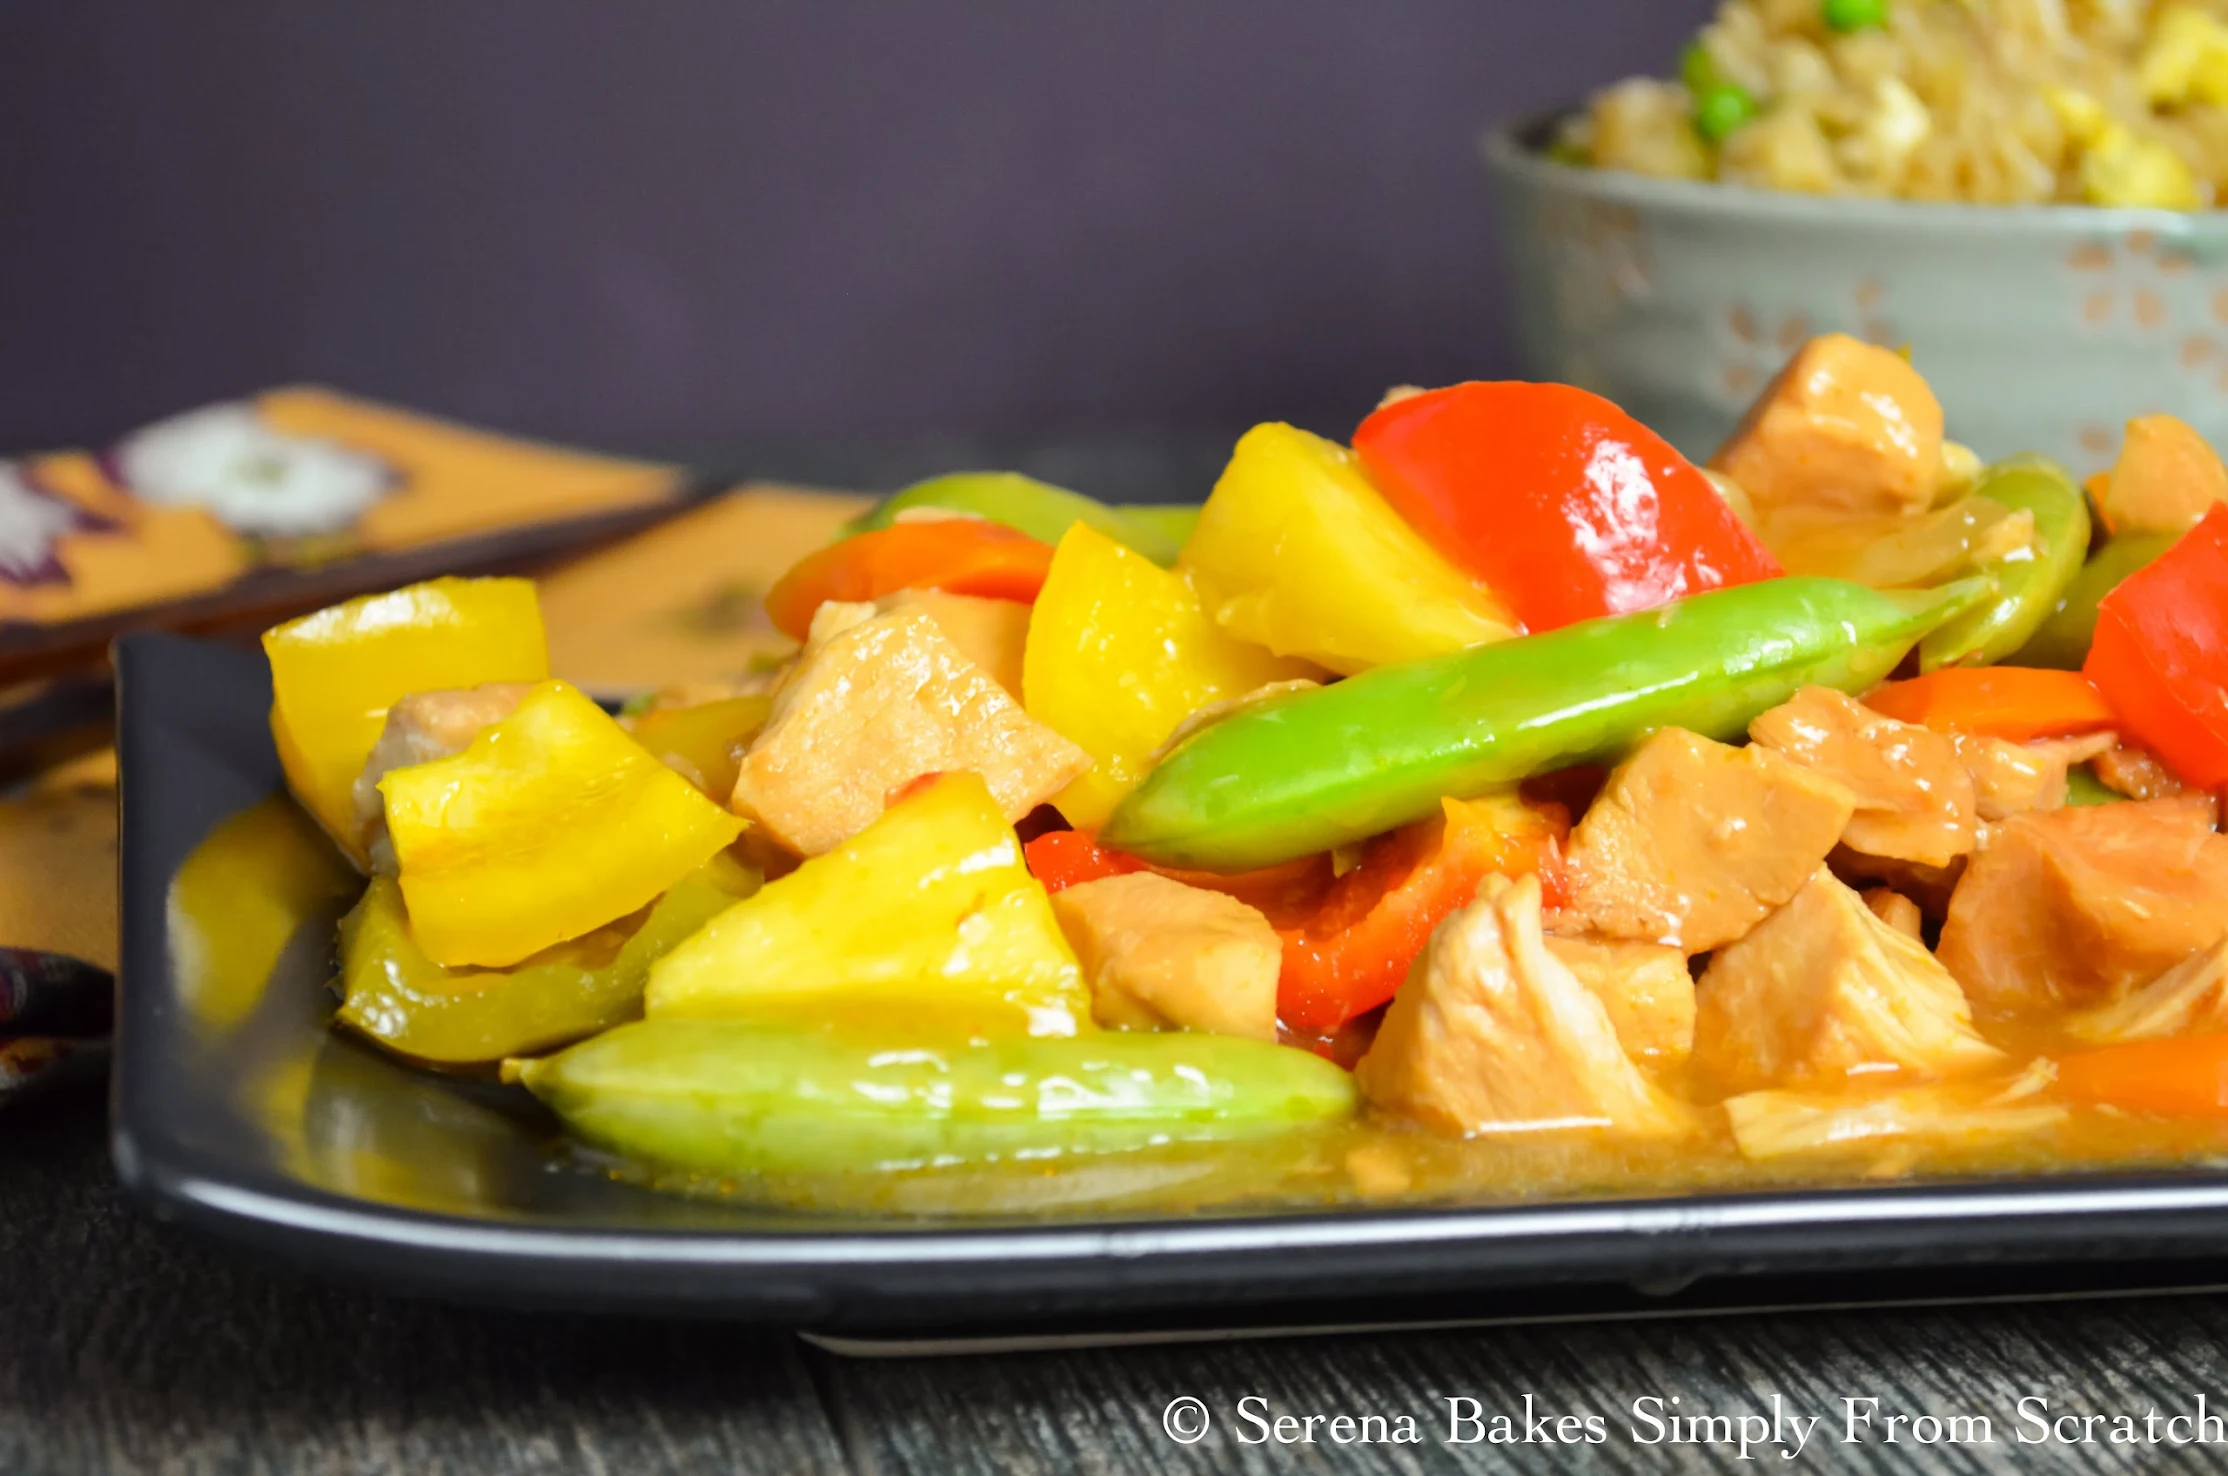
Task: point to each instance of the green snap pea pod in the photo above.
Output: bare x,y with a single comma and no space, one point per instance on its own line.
396,995
783,1096
1039,509
2029,580
1173,521
1302,773
2063,639
2084,788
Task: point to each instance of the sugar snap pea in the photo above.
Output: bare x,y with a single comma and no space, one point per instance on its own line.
1305,772
2029,580
2062,641
784,1096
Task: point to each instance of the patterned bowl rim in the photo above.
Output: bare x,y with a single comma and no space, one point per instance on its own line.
1513,151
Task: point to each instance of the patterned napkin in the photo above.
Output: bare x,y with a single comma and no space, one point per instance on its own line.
681,602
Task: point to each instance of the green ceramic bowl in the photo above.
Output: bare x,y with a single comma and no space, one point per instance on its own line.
2042,328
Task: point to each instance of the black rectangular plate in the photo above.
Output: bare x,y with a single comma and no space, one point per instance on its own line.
271,1131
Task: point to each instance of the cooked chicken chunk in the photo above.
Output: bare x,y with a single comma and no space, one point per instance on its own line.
2135,772
1914,800
1896,910
1891,1126
1491,1033
2191,998
1927,886
2078,906
422,727
2078,749
1690,843
990,633
2010,778
1824,990
1646,989
2166,478
1847,427
874,705
1164,956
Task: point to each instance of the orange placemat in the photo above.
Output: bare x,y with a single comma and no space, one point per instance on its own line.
254,509
678,603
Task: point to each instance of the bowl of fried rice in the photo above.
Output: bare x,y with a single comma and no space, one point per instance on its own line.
2026,193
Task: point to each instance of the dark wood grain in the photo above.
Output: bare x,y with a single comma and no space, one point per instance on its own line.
1100,1411
128,1347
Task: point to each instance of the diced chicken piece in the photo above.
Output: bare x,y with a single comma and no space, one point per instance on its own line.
2010,778
1491,1033
1914,800
2134,772
875,705
1646,989
2166,479
990,633
1891,1127
1164,956
831,619
2191,998
1846,426
2078,749
1823,990
1928,886
2080,905
1897,911
422,727
1690,843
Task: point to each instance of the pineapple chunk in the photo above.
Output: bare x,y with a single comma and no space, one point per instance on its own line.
927,909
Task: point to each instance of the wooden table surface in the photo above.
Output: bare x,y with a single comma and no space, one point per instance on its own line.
129,1347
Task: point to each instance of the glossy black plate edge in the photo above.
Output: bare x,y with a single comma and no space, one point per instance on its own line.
186,764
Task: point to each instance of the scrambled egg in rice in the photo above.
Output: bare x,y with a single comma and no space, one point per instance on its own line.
2110,102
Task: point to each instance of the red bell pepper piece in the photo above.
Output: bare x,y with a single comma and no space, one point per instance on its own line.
2014,702
1355,950
957,555
1563,504
1068,858
2160,656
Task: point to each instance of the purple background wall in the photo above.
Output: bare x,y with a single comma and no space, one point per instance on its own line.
692,223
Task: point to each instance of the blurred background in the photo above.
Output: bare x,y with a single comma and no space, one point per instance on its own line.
702,227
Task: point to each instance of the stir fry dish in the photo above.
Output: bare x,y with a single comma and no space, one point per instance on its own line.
1499,805
2005,102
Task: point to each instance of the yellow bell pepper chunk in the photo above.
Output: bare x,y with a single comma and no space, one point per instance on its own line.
1296,551
704,741
334,674
1120,651
393,994
929,912
554,822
